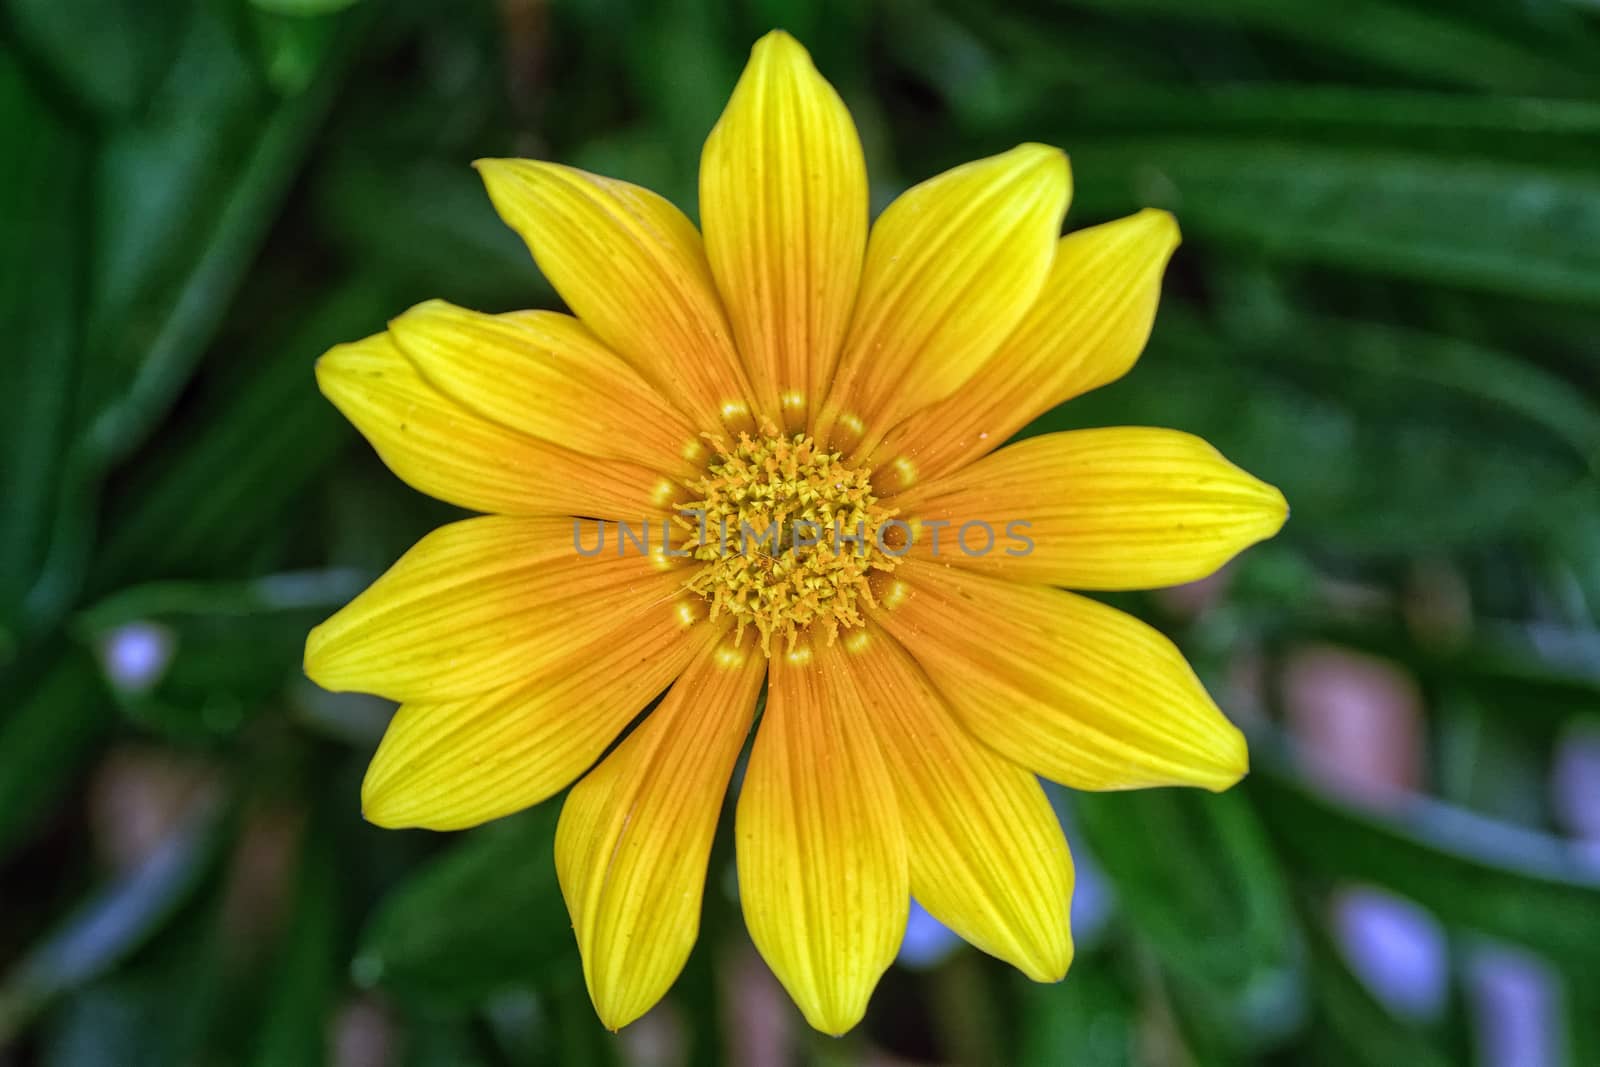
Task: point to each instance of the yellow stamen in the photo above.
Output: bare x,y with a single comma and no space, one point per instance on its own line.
788,534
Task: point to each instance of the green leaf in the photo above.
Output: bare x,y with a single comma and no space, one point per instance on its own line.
1326,426
293,46
1506,227
185,199
442,1042
429,225
1582,1003
300,999
1530,130
303,8
42,188
1090,1013
222,488
58,714
226,646
684,70
106,54
1395,36
576,1036
485,916
1198,880
1470,871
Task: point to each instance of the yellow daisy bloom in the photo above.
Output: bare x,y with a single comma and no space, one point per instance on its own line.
838,395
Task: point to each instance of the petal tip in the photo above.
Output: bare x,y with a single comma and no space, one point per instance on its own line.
325,369
1279,508
417,316
837,1027
492,172
1035,154
1162,223
378,802
614,1016
334,363
1271,511
374,814
833,1008
314,662
1233,765
778,54
777,38
501,177
1048,964
1047,170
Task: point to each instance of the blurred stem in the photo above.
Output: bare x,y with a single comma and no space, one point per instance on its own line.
965,1015
115,921
579,1036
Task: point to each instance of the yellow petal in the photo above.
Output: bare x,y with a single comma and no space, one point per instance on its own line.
440,448
1076,691
632,267
448,766
952,266
783,200
636,833
987,855
544,374
1086,328
821,851
1122,508
482,603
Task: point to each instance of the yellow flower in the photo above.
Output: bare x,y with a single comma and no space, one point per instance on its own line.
788,374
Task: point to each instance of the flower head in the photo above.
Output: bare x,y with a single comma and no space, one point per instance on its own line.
811,514
766,457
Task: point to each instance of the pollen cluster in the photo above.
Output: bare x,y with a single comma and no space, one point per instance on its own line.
789,535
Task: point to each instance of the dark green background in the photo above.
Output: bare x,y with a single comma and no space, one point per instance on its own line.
1387,303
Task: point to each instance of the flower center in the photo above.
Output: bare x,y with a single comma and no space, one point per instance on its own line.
789,535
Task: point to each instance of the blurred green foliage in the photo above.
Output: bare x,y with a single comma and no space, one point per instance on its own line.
1388,303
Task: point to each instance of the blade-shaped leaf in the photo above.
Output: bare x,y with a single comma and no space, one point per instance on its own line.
1197,878
485,916
1398,36
42,187
218,493
1506,227
59,712
195,659
1362,426
106,54
1470,871
185,199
